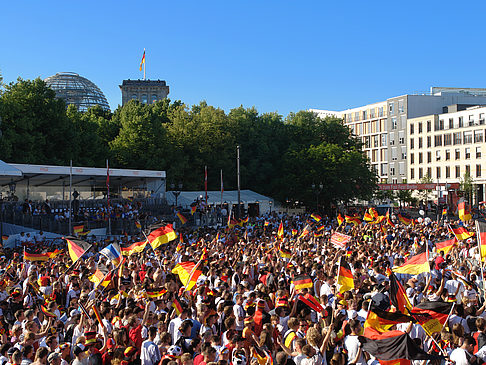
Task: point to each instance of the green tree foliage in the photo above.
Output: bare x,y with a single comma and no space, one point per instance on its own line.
467,186
279,157
35,128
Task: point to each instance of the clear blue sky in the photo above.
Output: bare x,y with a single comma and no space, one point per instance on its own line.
276,55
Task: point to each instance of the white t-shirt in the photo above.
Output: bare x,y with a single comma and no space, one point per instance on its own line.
459,356
239,313
352,344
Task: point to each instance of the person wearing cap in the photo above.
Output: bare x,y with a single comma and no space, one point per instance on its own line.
65,350
150,354
80,356
54,358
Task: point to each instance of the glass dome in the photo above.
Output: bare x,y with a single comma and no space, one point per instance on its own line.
77,90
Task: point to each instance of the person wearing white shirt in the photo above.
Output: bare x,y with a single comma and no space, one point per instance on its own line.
352,344
150,354
463,355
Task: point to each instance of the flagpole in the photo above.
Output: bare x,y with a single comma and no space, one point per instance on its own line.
152,248
238,181
222,188
478,234
144,64
70,194
108,190
190,275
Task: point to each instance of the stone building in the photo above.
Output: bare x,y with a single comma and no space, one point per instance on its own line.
145,91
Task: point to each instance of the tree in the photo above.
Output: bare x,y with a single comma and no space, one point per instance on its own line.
467,186
423,194
405,196
35,128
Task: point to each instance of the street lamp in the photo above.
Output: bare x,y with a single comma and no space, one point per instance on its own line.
12,186
317,189
270,203
176,192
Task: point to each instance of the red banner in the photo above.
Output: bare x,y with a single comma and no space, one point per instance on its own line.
430,186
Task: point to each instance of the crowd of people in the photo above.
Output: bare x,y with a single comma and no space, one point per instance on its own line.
247,305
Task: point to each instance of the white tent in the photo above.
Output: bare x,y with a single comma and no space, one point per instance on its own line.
214,198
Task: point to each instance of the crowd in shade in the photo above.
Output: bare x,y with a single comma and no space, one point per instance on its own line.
271,290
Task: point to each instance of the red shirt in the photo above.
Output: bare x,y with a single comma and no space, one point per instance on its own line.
136,336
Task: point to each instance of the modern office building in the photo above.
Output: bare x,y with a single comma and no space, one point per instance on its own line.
145,91
77,90
382,126
445,146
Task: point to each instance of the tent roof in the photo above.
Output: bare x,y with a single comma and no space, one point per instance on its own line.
49,175
214,197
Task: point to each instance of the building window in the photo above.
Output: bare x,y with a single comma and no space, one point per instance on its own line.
134,96
478,136
380,111
376,141
451,123
468,153
429,141
457,154
411,128
401,140
394,154
403,122
478,152
412,174
437,155
411,143
392,170
367,142
356,116
391,108
365,114
421,173
144,98
448,155
447,139
481,119
471,120
458,171
461,122
420,142
412,158
441,124
404,152
448,172
383,140
401,108
429,171
438,140
154,98
468,169
421,158
468,137
457,138
394,123
429,126
437,172
478,170
372,113
420,127
429,157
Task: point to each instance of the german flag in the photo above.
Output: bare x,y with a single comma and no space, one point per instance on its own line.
464,215
378,220
302,281
398,296
47,313
289,337
481,230
161,235
352,219
262,356
188,272
444,211
4,238
383,229
461,233
177,306
316,217
78,229
193,209
340,219
243,221
404,220
280,232
432,315
311,302
101,276
416,264
266,223
392,345
138,225
294,232
204,255
76,248
445,246
286,254
388,219
367,217
382,321
97,315
373,212
345,277
181,217
133,248
36,256
305,231
155,293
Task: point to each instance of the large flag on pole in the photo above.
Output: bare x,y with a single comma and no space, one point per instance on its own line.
188,273
142,62
280,232
445,246
481,232
76,248
161,235
464,215
398,295
461,233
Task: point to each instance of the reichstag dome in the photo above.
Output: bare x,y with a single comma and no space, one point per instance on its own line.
77,90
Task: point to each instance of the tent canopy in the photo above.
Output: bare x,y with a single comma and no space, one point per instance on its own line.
214,197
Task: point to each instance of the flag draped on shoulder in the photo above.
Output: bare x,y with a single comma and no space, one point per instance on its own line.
416,264
188,272
345,276
161,235
76,248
